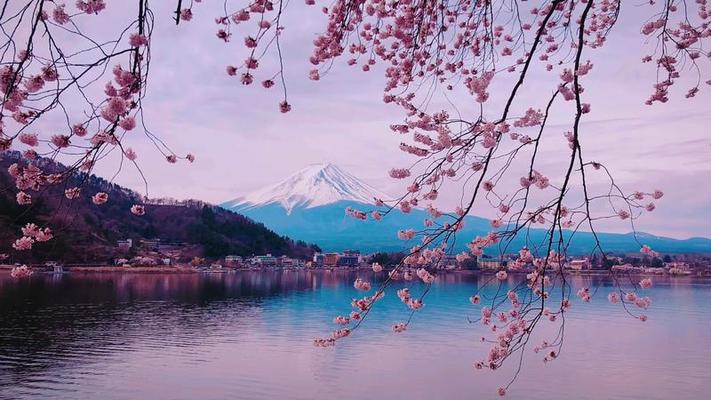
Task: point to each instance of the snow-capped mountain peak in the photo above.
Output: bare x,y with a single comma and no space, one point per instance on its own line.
315,185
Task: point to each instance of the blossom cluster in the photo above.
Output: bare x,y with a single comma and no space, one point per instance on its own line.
23,271
31,233
47,72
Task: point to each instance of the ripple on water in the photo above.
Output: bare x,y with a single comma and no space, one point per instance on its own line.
248,336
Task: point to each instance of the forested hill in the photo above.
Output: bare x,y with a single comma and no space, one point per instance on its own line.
85,232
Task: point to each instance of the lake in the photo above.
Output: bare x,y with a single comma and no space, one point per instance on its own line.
248,335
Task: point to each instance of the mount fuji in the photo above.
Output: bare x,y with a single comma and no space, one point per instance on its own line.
314,186
310,205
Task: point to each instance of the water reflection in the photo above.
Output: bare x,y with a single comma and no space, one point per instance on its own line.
247,335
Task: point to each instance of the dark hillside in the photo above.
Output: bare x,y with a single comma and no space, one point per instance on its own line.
85,232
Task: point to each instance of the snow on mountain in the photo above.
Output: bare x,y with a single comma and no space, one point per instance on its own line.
315,185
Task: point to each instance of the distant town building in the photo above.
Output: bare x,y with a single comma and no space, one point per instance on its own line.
652,270
318,260
678,268
349,258
124,244
491,263
141,261
626,268
330,259
233,259
448,262
57,268
266,260
120,261
168,246
579,265
150,244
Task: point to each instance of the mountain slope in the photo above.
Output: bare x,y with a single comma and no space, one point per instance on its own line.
322,220
85,232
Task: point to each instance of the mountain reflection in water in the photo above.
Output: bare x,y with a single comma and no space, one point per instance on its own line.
247,335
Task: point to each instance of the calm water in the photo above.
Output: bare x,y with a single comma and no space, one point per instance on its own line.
248,336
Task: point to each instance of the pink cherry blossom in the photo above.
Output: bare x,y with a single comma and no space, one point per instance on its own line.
425,276
341,333
61,141
361,285
91,6
613,297
23,243
186,14
79,130
130,154
34,83
284,107
247,78
100,198
584,294
59,15
138,40
406,234
72,193
127,123
23,271
138,209
23,198
43,235
404,295
399,173
30,230
415,304
29,139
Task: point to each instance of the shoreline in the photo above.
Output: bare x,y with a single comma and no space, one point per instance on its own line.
188,269
162,269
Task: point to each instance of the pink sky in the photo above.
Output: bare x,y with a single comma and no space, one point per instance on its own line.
242,142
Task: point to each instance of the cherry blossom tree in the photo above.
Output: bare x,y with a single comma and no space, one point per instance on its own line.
447,52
